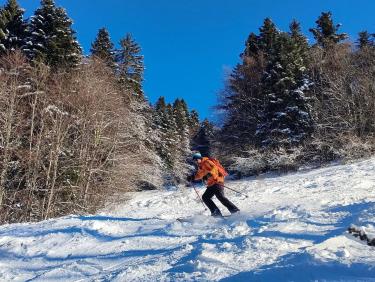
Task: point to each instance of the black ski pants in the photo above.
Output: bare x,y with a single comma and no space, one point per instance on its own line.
218,191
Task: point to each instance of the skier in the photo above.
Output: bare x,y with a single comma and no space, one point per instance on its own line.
215,184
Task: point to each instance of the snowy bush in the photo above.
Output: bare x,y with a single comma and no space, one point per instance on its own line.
257,161
283,160
253,163
355,148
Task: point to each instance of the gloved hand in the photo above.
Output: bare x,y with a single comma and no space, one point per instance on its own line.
190,178
208,175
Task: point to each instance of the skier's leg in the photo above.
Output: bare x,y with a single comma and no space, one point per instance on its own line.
219,193
207,199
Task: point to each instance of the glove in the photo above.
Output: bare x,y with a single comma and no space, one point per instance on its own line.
208,175
190,178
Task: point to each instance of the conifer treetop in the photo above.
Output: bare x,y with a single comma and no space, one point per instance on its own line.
53,39
130,65
13,28
268,34
365,39
103,48
326,32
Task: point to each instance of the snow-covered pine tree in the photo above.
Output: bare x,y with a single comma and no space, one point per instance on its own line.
193,123
171,126
285,120
103,48
326,32
172,138
52,38
243,97
181,116
203,140
130,65
161,126
13,28
183,152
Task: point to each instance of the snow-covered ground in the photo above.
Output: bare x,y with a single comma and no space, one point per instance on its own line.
291,228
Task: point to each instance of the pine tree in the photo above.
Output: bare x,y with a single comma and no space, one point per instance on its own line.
267,91
161,121
103,48
326,33
193,123
172,126
242,104
243,96
13,28
298,38
203,140
181,116
252,46
286,120
172,138
268,35
365,39
53,39
130,65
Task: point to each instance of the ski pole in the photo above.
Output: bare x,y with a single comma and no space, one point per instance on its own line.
199,198
236,191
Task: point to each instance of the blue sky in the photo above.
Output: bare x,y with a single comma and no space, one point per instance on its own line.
189,45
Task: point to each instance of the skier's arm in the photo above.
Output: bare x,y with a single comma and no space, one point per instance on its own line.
207,168
200,174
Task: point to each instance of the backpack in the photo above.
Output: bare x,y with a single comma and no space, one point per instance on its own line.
220,168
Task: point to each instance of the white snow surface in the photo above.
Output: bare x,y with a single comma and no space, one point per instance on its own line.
291,228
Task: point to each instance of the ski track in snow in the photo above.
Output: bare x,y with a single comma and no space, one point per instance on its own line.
291,228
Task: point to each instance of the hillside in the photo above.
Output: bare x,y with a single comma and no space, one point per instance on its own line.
291,228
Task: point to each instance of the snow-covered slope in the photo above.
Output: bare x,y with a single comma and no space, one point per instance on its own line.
291,228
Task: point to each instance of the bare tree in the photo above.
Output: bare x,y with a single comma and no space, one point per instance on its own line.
68,141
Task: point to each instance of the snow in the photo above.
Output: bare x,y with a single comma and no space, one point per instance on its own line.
291,228
280,114
52,108
24,87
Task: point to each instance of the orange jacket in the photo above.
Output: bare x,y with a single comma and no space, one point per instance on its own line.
208,167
